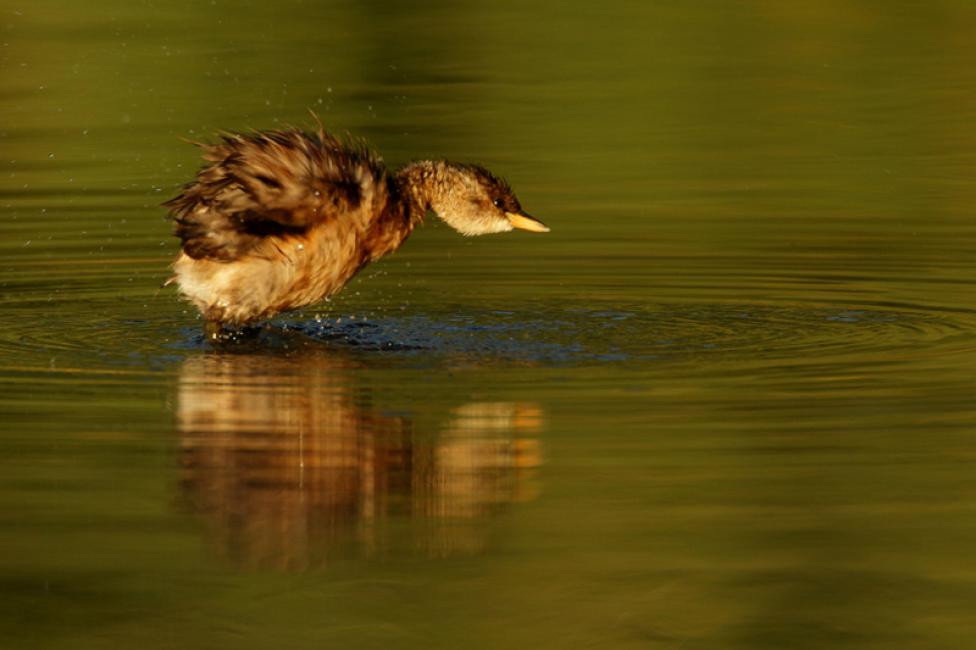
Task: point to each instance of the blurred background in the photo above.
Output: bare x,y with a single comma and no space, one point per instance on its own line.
726,403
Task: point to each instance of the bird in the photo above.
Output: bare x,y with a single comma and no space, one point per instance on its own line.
280,219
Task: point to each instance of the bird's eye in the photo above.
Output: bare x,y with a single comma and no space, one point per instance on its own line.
499,203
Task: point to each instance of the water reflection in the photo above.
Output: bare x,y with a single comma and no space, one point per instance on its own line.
289,462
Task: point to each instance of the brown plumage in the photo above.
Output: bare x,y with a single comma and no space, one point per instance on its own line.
283,219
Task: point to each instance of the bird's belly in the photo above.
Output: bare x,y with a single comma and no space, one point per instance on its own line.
283,274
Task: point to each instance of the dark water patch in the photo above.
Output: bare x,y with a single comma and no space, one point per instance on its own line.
486,336
604,336
417,338
123,332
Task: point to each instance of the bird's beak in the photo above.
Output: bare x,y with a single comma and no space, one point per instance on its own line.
525,222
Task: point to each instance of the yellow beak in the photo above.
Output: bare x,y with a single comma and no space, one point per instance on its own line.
525,222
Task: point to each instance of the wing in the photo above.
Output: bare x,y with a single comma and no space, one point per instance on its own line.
269,185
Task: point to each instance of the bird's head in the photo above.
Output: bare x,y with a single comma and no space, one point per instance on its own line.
473,201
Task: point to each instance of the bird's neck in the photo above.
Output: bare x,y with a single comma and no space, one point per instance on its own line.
411,191
420,184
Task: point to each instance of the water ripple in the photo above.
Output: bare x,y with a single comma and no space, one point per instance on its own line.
619,335
563,336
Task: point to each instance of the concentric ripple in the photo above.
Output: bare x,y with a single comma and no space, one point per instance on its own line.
555,336
589,336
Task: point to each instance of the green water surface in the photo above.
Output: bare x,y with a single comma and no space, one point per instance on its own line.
728,402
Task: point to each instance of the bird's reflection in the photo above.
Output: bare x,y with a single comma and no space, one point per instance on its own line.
288,462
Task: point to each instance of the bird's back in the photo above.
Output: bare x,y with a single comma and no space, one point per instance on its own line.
279,183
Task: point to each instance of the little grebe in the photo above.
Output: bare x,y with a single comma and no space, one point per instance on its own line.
282,219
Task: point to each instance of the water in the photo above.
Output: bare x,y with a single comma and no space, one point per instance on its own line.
726,403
